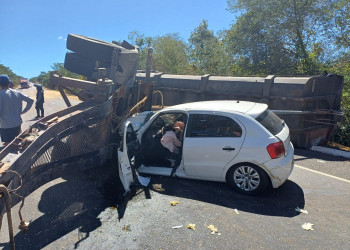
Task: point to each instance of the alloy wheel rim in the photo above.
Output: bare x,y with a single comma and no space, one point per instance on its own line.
246,178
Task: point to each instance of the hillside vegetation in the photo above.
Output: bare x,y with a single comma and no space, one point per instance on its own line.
7,71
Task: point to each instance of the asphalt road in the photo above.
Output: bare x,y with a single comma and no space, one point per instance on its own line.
83,210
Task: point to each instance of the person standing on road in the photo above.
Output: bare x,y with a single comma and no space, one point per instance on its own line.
11,110
39,104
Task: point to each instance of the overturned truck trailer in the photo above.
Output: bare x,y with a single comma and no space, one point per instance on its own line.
309,105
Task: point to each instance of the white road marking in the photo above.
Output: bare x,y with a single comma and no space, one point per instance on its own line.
318,172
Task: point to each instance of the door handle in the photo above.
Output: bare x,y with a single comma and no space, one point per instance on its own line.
228,148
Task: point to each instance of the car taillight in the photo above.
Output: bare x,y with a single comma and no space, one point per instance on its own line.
275,150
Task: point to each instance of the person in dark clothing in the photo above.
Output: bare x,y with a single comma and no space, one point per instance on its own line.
39,104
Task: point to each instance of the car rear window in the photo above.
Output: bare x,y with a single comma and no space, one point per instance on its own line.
270,121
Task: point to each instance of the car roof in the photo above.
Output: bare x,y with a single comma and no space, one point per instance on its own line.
252,109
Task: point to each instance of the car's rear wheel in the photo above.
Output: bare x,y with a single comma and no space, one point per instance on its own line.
247,178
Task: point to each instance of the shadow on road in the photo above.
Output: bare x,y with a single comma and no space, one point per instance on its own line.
77,202
280,202
303,154
66,206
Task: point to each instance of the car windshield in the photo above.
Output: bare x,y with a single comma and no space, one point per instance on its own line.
270,121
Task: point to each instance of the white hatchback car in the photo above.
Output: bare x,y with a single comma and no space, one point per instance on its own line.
242,143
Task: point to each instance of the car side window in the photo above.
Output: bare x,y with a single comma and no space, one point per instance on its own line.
204,125
166,119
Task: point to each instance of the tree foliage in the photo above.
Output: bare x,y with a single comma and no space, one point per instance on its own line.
7,71
143,42
277,36
207,53
342,67
170,54
44,77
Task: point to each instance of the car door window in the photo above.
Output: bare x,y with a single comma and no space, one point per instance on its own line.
205,125
166,119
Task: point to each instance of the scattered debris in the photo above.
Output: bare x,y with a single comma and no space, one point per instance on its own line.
213,229
191,226
176,227
308,226
236,211
144,181
174,203
301,210
158,187
23,226
126,228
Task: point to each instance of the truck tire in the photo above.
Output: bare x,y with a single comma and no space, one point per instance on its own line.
79,65
94,49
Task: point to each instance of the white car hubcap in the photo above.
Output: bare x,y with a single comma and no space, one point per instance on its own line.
246,178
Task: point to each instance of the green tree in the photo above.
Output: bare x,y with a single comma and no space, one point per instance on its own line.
170,54
7,71
341,66
277,36
143,42
335,20
44,77
207,52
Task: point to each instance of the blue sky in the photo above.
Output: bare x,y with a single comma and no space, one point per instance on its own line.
33,32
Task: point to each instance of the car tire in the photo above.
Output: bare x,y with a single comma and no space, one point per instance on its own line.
247,178
88,47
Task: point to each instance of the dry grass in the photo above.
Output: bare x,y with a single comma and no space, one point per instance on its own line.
54,94
338,146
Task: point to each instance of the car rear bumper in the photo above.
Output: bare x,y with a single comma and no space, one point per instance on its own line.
280,169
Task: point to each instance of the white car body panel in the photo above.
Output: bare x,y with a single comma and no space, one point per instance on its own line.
203,158
125,171
280,169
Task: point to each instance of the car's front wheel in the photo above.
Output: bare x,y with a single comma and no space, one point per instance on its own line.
247,178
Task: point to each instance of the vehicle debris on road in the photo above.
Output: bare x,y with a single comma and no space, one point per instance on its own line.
308,226
158,187
177,227
174,203
301,210
213,229
126,228
191,226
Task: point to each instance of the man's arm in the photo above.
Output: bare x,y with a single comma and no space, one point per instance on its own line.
29,102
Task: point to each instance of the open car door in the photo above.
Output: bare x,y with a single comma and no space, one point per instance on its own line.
126,157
